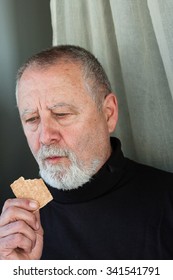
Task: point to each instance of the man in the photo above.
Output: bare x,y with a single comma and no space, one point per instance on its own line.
105,206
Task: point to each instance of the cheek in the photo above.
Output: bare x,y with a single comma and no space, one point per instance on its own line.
33,142
88,139
76,139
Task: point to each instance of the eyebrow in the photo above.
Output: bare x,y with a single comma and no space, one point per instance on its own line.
28,111
62,104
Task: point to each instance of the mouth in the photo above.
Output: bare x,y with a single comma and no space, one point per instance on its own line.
55,159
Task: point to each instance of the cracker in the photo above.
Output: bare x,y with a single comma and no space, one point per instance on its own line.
32,189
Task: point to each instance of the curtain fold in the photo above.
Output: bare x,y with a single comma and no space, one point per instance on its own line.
161,15
133,40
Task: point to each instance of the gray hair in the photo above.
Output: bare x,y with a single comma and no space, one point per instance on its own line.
95,78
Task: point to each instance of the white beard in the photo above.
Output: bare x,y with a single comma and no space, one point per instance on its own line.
64,177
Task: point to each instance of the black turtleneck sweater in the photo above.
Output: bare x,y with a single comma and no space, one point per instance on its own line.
124,212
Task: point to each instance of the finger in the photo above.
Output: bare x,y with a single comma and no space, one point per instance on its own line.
18,227
27,204
14,241
13,213
39,226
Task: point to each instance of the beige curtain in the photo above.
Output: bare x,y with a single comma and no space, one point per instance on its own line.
133,39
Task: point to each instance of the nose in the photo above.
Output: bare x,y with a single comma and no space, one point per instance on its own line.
49,133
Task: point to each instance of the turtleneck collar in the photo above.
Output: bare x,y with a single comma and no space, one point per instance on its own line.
105,179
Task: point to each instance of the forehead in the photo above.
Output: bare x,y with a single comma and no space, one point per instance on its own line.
63,73
54,82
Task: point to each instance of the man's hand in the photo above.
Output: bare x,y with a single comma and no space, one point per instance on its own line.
21,233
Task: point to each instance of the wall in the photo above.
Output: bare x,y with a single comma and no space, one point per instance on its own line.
25,28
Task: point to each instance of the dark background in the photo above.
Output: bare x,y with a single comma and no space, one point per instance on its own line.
25,28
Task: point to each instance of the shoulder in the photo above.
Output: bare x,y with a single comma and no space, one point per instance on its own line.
152,174
148,190
151,182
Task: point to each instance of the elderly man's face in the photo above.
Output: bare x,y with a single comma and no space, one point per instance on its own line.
62,123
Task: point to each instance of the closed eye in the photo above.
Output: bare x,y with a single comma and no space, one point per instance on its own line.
62,114
65,119
31,120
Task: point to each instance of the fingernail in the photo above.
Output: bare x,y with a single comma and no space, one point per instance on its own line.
33,204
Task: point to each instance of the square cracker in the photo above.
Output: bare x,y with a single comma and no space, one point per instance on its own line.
33,189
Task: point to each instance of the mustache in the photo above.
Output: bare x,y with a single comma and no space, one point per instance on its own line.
51,151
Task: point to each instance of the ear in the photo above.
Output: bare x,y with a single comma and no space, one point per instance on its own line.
110,109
